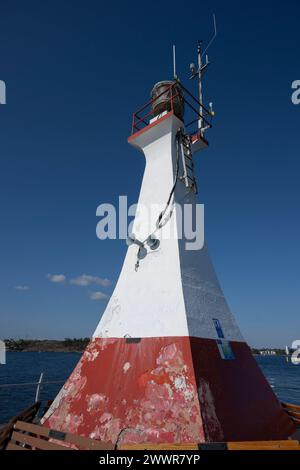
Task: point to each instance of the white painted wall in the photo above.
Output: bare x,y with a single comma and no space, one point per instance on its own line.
174,292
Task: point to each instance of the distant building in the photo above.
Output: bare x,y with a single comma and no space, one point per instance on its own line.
267,352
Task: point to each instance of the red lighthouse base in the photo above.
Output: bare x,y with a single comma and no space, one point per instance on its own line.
167,390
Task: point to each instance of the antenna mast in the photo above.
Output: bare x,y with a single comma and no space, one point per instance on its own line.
200,69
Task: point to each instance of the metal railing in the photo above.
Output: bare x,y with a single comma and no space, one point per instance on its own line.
39,385
141,118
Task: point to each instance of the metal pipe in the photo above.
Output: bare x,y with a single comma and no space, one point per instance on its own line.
38,388
174,61
200,121
26,384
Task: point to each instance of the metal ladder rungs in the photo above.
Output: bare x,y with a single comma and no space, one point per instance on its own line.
189,167
187,163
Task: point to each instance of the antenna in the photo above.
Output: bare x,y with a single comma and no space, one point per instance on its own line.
174,61
214,35
198,72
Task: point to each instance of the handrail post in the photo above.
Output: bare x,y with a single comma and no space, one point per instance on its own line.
38,388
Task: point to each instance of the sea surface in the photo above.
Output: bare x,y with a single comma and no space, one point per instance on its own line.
24,367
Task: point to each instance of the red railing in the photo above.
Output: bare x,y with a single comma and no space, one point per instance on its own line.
141,118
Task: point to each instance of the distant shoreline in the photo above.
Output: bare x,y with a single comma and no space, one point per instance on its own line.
46,350
78,345
47,345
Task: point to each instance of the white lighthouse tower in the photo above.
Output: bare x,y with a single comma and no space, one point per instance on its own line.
167,362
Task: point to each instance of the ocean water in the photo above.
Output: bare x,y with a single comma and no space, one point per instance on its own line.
23,367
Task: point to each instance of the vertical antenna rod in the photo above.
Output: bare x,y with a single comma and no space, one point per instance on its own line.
199,52
174,61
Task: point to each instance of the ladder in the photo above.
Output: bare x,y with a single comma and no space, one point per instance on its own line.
188,176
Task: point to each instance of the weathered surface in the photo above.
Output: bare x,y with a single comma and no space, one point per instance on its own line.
131,392
174,390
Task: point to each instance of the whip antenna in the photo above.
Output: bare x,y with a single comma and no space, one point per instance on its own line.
214,35
174,61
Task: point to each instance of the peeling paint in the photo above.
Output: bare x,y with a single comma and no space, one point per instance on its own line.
126,366
96,402
180,383
153,401
157,399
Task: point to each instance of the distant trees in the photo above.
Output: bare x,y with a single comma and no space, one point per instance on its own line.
77,344
73,344
68,344
18,344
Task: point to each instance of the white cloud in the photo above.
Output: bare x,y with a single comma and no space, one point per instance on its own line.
57,278
86,280
23,287
97,295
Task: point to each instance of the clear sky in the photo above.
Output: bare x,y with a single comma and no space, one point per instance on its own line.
75,71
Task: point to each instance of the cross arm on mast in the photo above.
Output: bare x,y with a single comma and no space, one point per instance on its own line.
199,72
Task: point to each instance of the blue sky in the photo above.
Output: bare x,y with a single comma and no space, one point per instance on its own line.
75,71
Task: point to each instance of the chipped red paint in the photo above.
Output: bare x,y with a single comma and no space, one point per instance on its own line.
131,392
175,389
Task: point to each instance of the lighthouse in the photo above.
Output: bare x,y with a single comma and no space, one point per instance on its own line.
167,362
